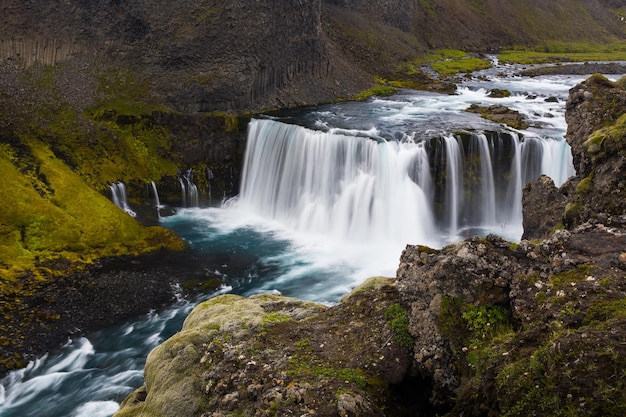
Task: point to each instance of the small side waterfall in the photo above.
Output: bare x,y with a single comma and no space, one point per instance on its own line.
427,192
189,190
157,202
118,196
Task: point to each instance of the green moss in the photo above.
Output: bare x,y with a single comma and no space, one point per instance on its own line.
466,65
585,185
398,320
377,90
46,217
305,364
555,381
606,310
615,132
274,318
426,249
571,276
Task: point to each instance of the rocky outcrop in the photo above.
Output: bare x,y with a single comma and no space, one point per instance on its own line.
591,105
596,129
543,205
272,355
528,329
520,329
500,114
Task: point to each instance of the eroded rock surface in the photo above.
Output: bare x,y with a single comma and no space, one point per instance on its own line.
272,355
520,329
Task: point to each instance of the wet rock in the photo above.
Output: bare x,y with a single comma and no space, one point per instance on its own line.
543,205
499,93
501,114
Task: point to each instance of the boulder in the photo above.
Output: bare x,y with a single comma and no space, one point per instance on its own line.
273,355
543,205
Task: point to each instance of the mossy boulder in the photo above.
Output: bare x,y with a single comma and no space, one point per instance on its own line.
595,113
500,114
272,355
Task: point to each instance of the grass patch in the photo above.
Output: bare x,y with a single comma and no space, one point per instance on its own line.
377,90
465,65
448,62
565,52
398,319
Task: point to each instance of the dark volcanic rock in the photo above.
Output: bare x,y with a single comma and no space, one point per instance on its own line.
591,105
543,205
196,56
596,132
481,311
500,114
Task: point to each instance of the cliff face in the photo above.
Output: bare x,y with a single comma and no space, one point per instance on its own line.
247,56
197,56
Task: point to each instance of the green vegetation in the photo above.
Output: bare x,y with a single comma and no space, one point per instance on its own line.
553,52
380,89
614,132
465,65
571,276
449,62
305,364
398,319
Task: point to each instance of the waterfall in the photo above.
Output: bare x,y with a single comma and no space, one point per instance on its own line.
157,202
342,186
454,182
189,190
357,188
118,196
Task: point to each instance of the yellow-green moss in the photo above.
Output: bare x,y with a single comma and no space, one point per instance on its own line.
70,220
377,90
454,66
614,132
571,276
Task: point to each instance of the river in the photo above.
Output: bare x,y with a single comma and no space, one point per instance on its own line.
313,227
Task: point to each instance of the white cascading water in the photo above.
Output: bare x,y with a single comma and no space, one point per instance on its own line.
118,196
356,188
342,186
351,197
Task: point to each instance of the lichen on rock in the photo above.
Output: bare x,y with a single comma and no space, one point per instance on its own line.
273,355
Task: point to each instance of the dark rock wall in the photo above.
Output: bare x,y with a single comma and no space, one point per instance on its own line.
199,56
247,56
